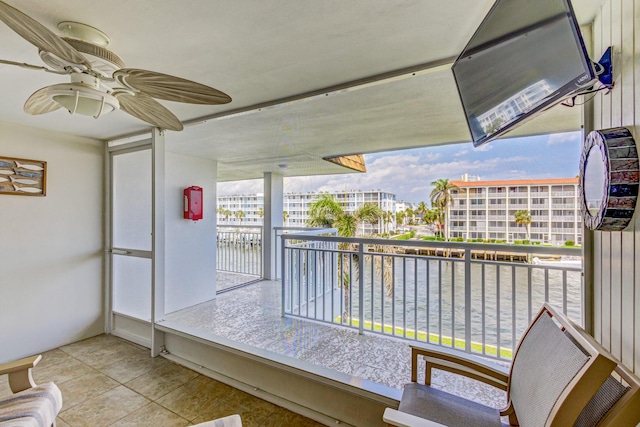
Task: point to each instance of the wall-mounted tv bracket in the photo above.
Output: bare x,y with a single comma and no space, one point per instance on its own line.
604,69
604,72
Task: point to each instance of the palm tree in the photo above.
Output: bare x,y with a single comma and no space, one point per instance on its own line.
346,224
409,214
327,212
223,212
523,218
441,198
370,213
421,209
400,217
285,217
260,212
432,216
324,212
388,219
240,215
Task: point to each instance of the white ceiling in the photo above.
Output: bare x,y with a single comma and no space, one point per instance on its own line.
309,53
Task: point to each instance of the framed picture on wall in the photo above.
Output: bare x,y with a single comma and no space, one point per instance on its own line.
23,177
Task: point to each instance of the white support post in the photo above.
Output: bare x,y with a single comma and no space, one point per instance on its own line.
273,200
158,238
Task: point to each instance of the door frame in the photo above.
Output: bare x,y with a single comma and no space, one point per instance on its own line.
156,144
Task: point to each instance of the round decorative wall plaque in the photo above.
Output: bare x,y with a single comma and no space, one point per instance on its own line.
609,175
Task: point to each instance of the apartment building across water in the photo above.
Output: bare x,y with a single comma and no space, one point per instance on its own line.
296,207
486,209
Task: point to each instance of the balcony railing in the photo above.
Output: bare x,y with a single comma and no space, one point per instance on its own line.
474,297
239,249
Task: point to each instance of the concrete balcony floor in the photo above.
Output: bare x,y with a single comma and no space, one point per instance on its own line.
251,315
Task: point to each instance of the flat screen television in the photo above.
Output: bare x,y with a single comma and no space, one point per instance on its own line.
526,56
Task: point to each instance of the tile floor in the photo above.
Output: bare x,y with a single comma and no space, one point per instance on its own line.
106,381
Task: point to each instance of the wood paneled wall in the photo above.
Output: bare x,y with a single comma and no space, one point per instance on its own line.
616,256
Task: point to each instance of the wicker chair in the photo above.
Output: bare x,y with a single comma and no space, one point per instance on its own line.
559,377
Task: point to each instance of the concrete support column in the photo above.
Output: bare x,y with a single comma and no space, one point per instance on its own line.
273,201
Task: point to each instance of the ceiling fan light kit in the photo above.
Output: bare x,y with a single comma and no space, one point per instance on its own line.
81,99
94,70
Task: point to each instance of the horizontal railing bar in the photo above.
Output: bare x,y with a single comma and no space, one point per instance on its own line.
487,247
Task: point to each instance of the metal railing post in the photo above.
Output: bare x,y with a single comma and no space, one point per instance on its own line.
467,299
361,288
283,281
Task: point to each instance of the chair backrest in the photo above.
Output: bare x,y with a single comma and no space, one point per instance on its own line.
617,402
556,371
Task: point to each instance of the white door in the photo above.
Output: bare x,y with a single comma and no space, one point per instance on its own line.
130,240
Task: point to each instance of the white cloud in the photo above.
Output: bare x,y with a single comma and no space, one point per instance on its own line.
483,147
240,187
562,138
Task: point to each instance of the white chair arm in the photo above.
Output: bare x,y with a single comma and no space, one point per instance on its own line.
460,363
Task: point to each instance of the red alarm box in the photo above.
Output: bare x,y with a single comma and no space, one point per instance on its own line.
193,203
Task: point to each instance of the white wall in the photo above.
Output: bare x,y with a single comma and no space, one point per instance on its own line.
190,274
51,248
616,258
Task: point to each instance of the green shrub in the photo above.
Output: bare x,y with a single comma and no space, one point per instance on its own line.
569,243
517,242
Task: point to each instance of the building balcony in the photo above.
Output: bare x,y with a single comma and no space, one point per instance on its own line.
564,218
371,298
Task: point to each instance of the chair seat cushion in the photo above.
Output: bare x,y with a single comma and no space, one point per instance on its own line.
37,407
445,408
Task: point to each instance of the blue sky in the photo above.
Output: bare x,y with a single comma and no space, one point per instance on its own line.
408,173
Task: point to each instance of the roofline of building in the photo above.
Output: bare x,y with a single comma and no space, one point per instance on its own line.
503,183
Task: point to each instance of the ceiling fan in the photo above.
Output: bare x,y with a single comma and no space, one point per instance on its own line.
100,83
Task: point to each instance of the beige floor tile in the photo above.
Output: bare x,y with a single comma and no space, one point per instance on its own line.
105,409
161,380
129,369
189,400
94,343
152,415
53,357
60,423
61,372
81,389
99,352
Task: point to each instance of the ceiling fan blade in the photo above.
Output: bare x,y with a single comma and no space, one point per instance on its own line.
40,103
170,88
148,110
38,35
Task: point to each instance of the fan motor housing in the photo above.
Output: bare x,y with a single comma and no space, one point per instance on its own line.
103,61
